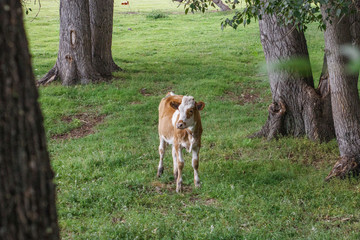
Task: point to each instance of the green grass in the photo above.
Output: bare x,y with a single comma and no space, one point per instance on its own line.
251,188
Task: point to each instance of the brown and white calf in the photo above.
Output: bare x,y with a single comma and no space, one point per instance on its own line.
180,126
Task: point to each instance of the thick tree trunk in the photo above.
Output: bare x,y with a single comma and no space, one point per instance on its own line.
101,22
74,62
85,43
27,193
344,96
297,109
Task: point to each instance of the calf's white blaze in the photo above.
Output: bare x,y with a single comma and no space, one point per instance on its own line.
188,102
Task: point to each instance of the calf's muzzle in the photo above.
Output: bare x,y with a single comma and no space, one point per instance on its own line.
181,125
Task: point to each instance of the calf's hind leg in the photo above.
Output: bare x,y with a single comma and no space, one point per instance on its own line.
162,148
175,163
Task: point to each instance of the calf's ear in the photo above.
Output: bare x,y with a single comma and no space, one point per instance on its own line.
200,105
174,105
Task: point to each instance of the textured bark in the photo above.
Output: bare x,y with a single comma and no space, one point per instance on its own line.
304,109
355,25
344,95
101,22
74,62
85,43
27,193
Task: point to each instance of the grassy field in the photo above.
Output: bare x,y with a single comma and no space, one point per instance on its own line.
251,188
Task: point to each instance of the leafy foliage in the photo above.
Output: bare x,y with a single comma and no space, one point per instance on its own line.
27,9
295,12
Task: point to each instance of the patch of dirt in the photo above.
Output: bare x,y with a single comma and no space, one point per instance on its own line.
312,157
88,122
194,199
236,155
328,218
210,201
245,93
116,220
135,103
207,202
248,98
145,92
244,98
170,187
212,145
337,221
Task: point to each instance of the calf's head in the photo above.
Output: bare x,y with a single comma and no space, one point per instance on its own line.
188,110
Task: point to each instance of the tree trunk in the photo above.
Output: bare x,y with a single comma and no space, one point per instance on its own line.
84,49
27,193
344,96
101,22
298,108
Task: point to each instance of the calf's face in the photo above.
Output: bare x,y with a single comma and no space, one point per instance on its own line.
186,111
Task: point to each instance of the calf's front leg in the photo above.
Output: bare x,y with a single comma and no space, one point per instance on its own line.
195,165
180,166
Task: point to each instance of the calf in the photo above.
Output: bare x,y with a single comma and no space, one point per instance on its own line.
180,126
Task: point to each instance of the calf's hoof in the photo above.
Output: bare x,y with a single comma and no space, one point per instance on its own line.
179,187
197,184
160,171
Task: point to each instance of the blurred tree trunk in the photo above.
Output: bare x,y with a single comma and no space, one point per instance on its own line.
85,43
27,191
298,108
344,92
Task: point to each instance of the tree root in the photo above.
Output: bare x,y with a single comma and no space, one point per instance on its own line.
115,67
54,74
51,76
274,124
344,167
